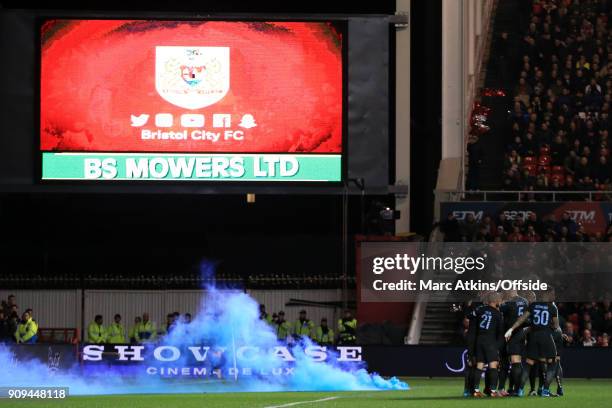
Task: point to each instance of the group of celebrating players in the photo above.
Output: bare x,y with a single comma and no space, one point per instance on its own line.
517,338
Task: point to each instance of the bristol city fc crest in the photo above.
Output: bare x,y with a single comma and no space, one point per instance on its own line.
192,77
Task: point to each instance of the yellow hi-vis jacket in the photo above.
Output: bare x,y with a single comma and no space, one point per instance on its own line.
324,338
25,331
116,333
283,330
304,329
347,329
145,332
96,333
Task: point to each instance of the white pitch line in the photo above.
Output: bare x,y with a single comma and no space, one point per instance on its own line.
291,404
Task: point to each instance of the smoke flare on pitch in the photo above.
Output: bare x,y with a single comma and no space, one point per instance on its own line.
227,321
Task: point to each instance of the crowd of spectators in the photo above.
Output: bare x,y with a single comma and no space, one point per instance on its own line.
559,136
144,330
24,329
586,324
519,229
16,328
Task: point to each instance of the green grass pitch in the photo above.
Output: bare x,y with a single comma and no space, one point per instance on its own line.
428,393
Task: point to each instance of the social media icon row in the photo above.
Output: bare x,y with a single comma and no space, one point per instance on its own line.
193,120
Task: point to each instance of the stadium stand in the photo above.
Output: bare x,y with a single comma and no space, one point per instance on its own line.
559,120
541,125
547,95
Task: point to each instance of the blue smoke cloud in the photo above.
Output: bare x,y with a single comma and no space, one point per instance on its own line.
243,352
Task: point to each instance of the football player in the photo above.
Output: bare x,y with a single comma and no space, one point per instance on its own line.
489,337
544,319
512,310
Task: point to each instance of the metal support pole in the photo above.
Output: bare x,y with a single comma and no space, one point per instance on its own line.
345,246
82,309
515,195
463,84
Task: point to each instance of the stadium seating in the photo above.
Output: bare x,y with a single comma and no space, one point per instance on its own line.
561,87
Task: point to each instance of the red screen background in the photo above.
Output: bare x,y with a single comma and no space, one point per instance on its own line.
96,73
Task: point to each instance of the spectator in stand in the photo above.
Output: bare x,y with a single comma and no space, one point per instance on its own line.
263,315
303,327
531,235
116,331
516,235
96,333
171,321
468,228
347,329
607,324
587,340
31,313
558,150
581,234
570,163
568,222
512,159
586,321
146,331
530,146
608,235
587,184
483,235
597,316
601,174
324,334
27,330
6,334
571,338
487,227
564,236
283,328
532,221
583,170
503,221
475,158
133,338
512,178
9,305
14,310
523,91
450,228
501,235
504,56
13,320
603,340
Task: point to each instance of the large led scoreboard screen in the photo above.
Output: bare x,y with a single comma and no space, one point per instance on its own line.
134,100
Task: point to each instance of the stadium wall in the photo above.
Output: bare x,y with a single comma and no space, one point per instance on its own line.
435,361
595,216
54,308
409,361
465,38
